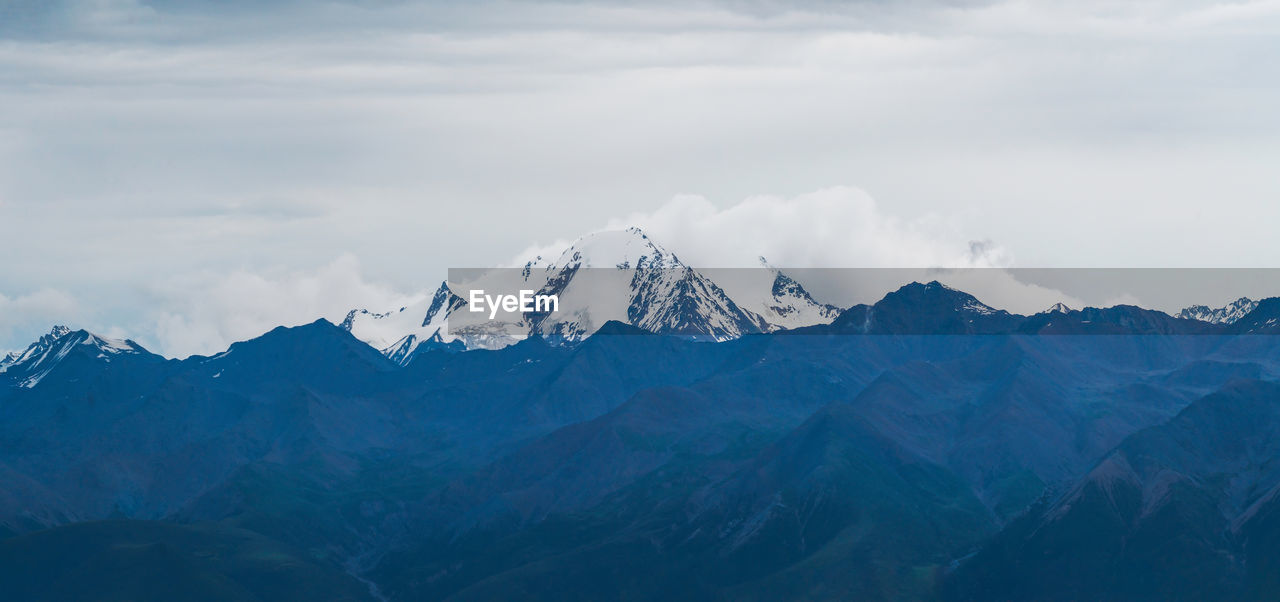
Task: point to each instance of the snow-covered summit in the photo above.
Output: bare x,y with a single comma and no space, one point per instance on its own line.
28,367
1057,308
398,334
1227,314
773,295
622,249
621,275
625,275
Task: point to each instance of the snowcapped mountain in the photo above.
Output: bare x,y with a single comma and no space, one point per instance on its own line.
774,296
621,275
398,334
1057,308
1227,314
1264,319
28,368
641,284
622,249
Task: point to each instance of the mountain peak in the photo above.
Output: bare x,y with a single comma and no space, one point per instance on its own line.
932,286
1057,308
936,290
398,334
318,344
28,367
1227,314
615,327
624,249
1263,318
658,293
928,308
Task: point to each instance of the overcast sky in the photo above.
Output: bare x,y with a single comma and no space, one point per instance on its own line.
190,172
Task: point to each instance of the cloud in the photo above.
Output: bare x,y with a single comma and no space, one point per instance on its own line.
30,314
204,313
838,242
147,141
833,227
817,234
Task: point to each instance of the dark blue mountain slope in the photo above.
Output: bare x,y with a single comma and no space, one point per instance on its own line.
995,421
162,562
630,465
1116,320
1184,510
936,309
319,354
921,309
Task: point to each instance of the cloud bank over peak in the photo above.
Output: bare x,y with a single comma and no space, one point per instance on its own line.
45,307
834,227
837,227
145,142
205,313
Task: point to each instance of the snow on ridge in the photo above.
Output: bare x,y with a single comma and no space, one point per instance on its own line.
1227,314
654,290
397,334
624,249
1058,308
978,307
42,356
771,294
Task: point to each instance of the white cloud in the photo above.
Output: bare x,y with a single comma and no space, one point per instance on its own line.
28,314
839,227
833,227
204,313
843,227
141,140
1002,289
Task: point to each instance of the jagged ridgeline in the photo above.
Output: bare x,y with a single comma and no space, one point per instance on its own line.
963,452
657,292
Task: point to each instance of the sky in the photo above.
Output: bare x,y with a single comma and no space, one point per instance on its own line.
189,173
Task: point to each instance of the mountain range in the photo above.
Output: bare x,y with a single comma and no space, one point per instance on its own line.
1222,315
661,294
950,451
658,293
